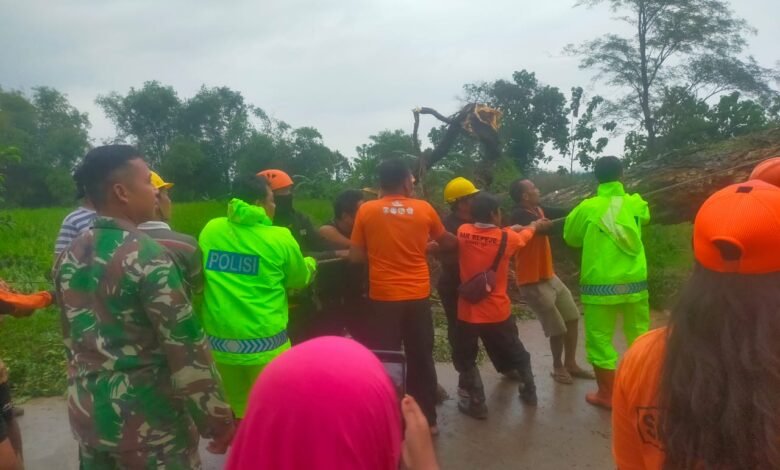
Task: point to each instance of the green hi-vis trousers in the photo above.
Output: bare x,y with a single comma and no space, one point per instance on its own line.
600,329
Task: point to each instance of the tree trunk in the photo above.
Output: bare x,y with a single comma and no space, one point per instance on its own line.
644,95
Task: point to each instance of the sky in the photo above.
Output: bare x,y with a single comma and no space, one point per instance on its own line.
350,68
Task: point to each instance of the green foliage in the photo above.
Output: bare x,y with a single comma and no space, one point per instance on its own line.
50,136
149,115
697,44
33,351
683,120
385,144
534,115
669,261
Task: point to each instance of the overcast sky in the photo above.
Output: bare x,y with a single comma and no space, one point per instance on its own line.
350,68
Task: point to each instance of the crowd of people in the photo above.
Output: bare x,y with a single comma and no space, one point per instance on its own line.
265,335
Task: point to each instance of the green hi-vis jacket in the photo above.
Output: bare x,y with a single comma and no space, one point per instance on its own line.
249,265
608,228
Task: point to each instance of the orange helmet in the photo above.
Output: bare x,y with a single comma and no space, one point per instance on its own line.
768,171
736,229
277,179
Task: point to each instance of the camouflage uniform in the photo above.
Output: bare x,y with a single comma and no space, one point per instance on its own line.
141,381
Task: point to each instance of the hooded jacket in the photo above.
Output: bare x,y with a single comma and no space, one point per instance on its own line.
249,265
608,228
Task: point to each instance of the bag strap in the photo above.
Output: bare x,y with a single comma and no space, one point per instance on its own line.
501,250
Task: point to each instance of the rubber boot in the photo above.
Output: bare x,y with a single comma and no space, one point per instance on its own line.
605,379
527,386
471,394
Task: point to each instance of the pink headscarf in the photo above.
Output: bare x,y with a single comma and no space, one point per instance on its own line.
324,404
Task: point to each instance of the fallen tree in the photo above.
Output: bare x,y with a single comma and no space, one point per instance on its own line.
676,184
475,120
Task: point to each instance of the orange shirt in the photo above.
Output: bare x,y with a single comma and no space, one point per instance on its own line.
395,231
635,443
533,263
477,249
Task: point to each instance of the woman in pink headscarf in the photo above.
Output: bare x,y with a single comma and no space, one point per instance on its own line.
329,404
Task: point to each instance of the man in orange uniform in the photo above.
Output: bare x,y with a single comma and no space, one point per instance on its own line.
546,295
479,246
392,234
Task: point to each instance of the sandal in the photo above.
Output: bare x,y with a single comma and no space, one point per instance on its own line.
581,374
562,377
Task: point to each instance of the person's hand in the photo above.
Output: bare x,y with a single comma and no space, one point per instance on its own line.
219,444
543,224
433,246
418,453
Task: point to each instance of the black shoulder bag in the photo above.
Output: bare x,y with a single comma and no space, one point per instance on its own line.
481,285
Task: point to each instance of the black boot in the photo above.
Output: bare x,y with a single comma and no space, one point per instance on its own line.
527,386
471,394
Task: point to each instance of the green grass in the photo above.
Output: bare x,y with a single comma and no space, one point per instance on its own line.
669,261
32,347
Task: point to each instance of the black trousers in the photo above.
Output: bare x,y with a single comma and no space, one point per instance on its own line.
502,343
408,323
448,294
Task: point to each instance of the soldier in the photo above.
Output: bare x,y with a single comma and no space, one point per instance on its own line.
141,381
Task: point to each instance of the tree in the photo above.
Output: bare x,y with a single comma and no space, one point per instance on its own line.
219,119
385,144
50,135
534,115
150,115
190,169
582,149
692,43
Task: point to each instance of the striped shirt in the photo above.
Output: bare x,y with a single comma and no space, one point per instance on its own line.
73,225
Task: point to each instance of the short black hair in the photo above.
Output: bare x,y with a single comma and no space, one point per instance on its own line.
392,173
99,166
517,189
608,169
347,203
250,188
483,207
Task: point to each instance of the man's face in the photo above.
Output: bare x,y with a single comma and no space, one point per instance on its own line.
163,205
135,192
531,194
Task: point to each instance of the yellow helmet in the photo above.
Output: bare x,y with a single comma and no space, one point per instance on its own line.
159,183
458,188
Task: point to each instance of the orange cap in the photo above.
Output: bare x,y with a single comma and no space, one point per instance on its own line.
277,179
768,170
737,229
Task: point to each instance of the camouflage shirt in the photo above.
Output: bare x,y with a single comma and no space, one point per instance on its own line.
139,369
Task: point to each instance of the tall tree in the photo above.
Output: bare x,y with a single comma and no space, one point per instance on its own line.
219,119
693,43
149,115
51,135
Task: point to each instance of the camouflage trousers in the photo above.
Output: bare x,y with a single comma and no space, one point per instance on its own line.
177,455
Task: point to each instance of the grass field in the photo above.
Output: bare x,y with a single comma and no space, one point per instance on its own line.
32,347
